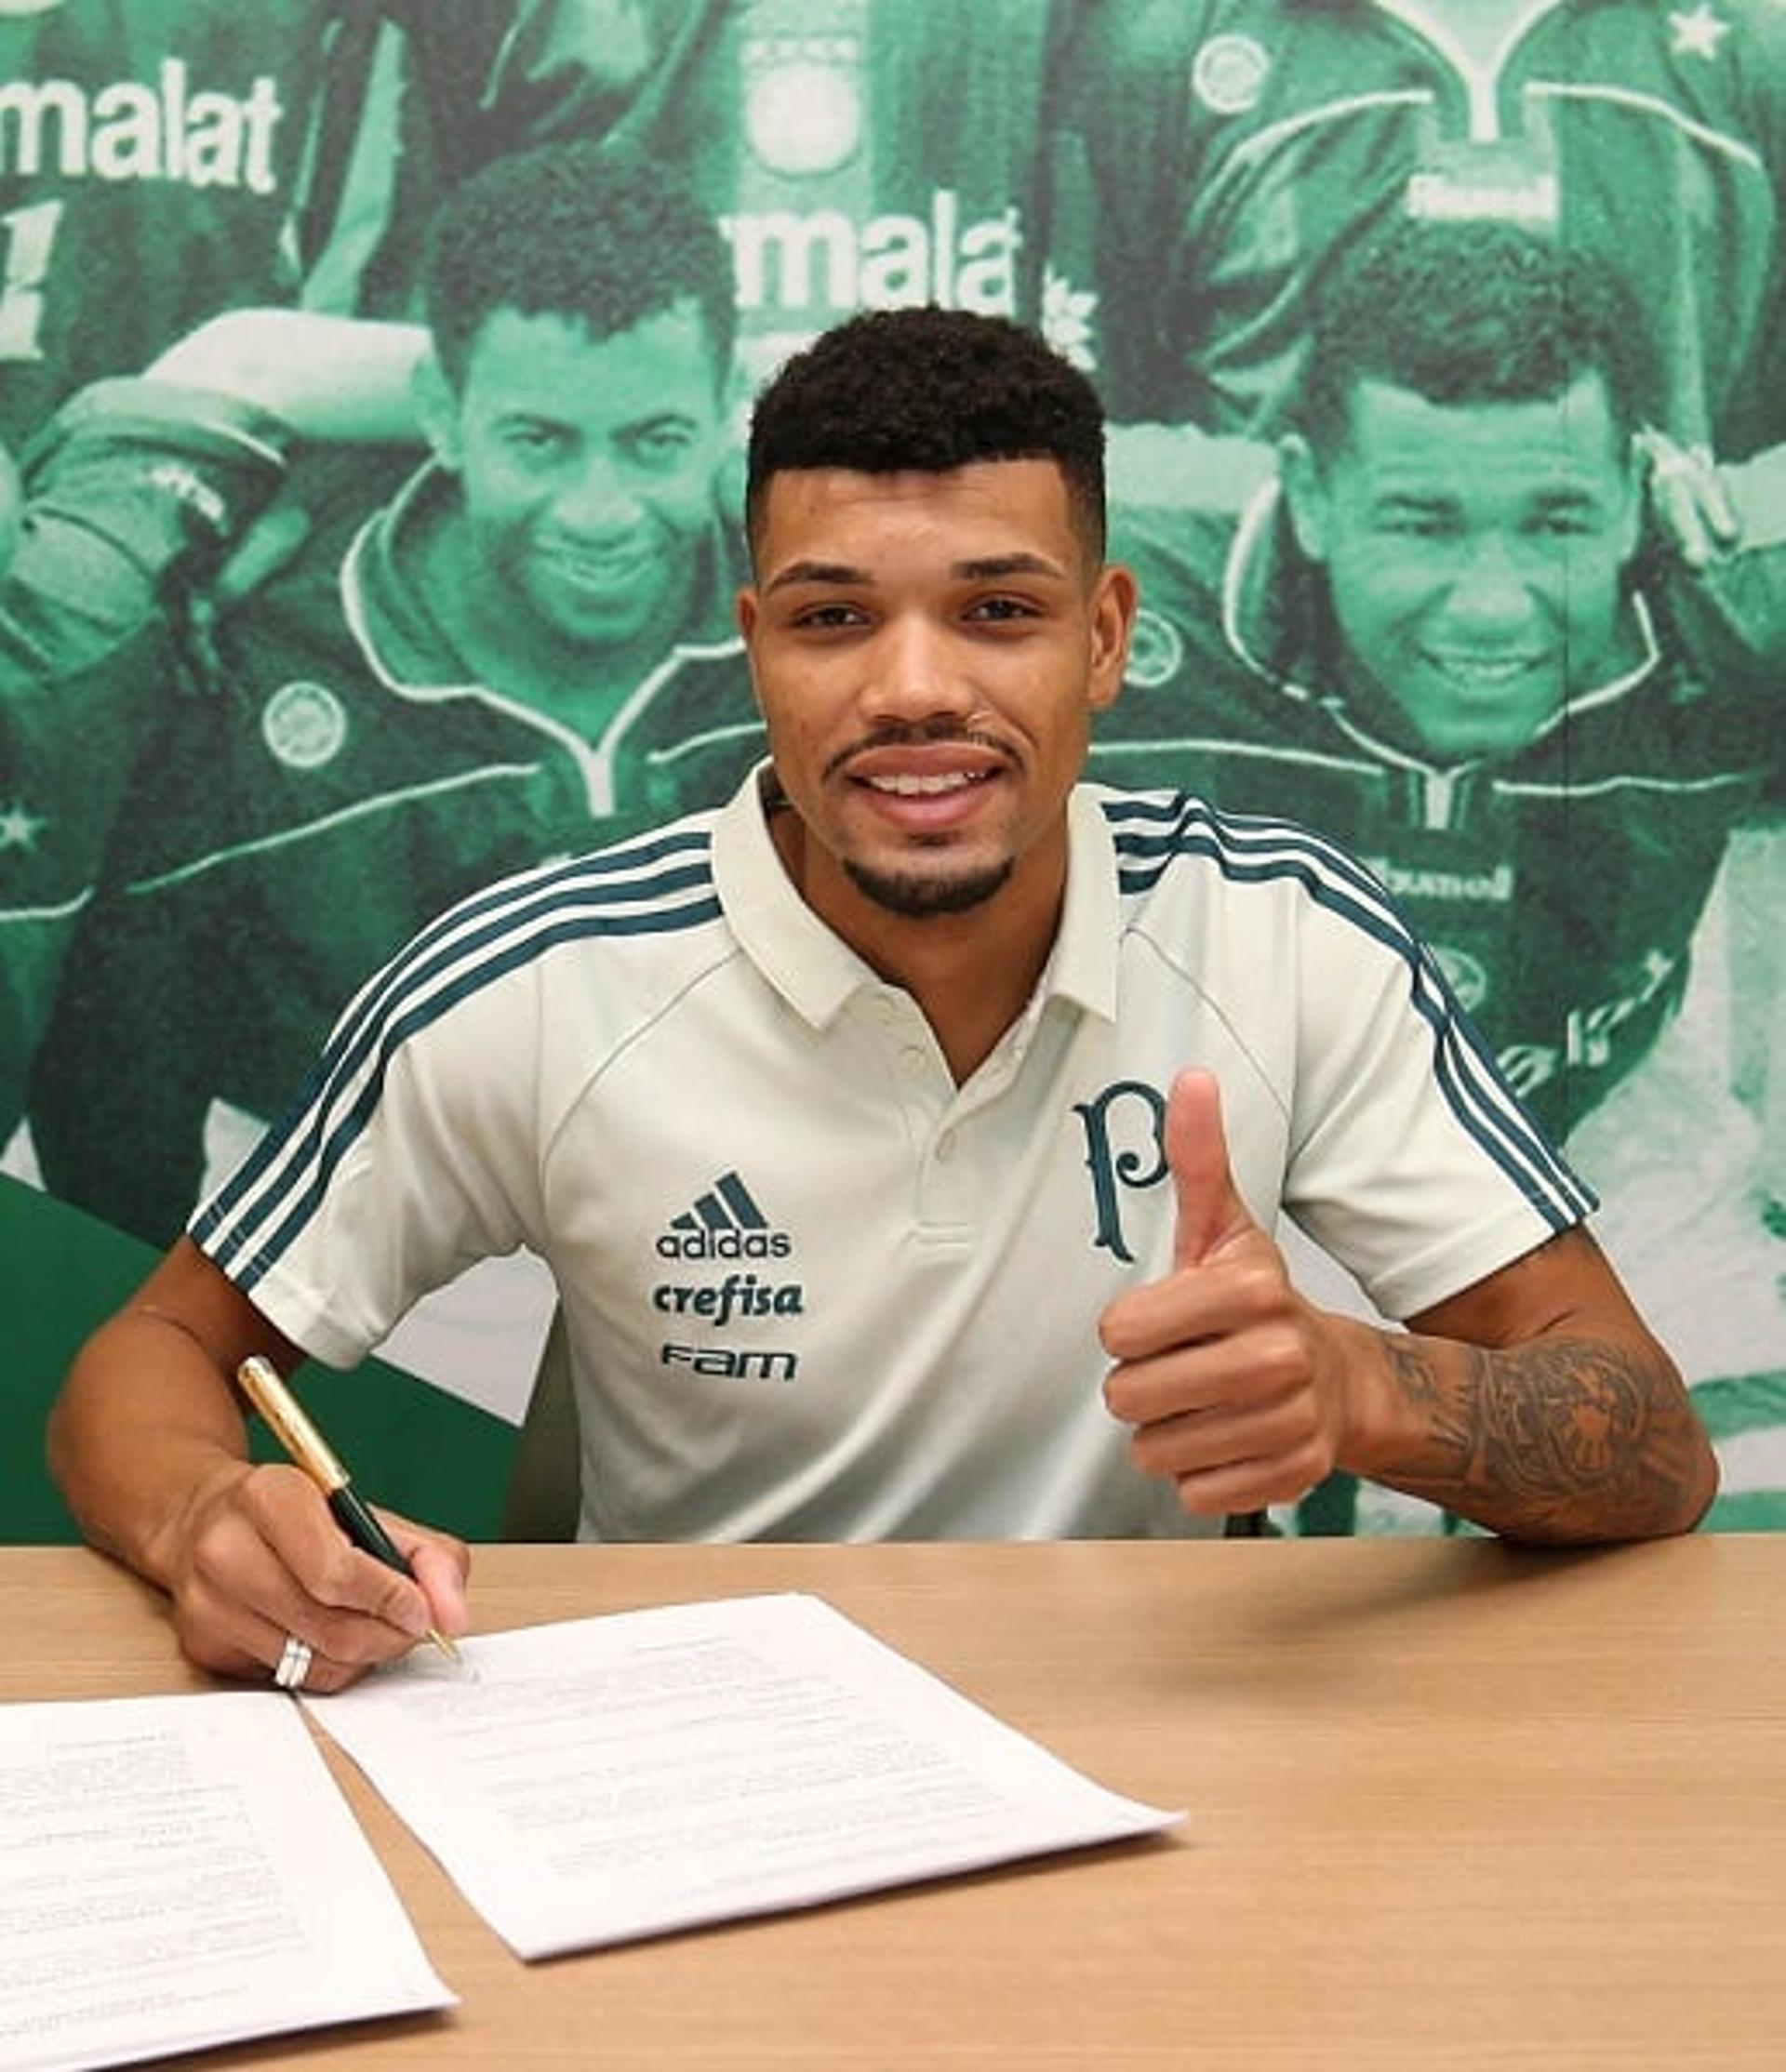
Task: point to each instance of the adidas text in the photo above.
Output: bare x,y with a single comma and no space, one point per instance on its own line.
724,1244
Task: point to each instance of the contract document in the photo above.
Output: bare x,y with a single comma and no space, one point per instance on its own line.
604,1779
183,1872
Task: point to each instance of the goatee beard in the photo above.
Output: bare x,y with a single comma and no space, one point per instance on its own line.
918,896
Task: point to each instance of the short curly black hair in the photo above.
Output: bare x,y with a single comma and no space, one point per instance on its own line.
930,389
1465,313
606,236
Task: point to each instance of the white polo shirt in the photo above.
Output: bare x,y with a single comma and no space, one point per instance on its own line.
814,1289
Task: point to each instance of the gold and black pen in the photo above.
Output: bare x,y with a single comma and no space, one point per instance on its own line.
307,1448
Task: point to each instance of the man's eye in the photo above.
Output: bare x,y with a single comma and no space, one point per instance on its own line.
662,447
533,442
1410,524
825,618
1002,609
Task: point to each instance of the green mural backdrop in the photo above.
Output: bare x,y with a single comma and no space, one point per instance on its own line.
254,730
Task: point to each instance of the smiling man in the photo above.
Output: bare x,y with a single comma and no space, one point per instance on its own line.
941,795
1444,635
904,1024
1475,554
1213,156
577,450
528,648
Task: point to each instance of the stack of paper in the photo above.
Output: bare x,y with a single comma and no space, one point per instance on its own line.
615,1777
178,1872
181,1871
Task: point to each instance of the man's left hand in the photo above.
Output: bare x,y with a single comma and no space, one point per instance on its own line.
1235,1385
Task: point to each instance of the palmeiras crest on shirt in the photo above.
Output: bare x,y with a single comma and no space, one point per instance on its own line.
1228,73
1155,651
304,725
1125,1133
802,94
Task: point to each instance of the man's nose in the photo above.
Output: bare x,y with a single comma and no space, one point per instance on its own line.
1490,588
596,498
916,674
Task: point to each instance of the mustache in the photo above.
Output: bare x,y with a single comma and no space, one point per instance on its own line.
925,733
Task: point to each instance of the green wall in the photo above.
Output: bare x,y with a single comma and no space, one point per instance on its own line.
407,1445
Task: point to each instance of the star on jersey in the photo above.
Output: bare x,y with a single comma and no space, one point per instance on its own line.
1700,34
19,830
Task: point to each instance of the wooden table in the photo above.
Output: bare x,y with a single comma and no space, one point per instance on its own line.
1451,1806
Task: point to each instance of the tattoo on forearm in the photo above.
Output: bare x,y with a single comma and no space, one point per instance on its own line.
1551,1439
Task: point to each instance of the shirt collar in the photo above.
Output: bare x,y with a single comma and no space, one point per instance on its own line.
818,974
405,644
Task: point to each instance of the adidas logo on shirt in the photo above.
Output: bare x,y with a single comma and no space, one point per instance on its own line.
725,1223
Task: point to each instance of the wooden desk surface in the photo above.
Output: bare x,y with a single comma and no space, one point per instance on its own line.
1451,1806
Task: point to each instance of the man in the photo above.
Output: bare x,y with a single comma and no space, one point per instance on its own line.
1215,157
843,1117
1440,636
167,160
156,163
530,642
842,177
117,533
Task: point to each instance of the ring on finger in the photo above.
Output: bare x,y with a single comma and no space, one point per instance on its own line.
293,1664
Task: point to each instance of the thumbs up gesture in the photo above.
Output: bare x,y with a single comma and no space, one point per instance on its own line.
1234,1385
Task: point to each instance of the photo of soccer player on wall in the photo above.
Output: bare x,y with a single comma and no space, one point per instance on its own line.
374,373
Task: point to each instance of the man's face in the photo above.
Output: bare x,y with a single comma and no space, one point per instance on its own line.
1473,554
586,466
927,651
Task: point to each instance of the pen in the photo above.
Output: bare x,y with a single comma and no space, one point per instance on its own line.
306,1445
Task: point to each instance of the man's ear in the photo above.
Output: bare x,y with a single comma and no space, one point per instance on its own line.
1113,606
1305,495
437,411
745,609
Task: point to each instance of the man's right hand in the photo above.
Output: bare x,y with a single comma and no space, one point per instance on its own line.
1688,499
149,1445
259,1557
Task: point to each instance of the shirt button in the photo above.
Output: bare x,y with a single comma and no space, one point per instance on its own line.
911,1061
